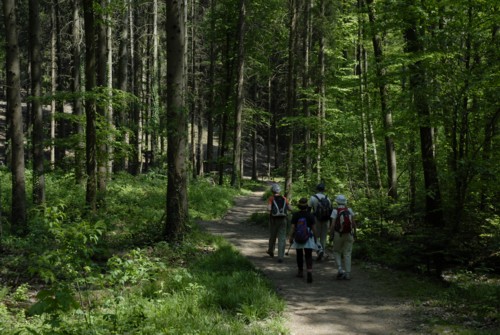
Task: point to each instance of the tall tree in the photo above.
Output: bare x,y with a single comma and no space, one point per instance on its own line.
291,89
237,168
390,150
90,105
122,81
414,37
177,201
15,116
101,108
36,104
76,88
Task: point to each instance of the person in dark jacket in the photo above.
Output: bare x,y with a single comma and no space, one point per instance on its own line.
304,248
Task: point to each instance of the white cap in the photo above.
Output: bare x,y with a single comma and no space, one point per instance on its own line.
276,188
341,199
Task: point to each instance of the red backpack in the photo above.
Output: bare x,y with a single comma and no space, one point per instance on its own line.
343,222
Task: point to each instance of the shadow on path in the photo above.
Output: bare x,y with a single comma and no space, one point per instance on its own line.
325,307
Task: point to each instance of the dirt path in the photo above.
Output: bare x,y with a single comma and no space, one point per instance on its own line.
326,306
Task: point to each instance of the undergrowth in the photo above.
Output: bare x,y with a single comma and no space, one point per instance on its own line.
112,273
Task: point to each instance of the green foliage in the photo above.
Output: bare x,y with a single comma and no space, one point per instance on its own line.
105,273
61,248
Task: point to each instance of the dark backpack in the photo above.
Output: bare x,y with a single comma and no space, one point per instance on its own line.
278,207
302,232
323,209
343,222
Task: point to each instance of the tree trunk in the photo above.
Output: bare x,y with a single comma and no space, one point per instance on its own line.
433,211
90,108
322,91
14,111
122,83
102,156
135,124
36,104
291,91
306,34
77,101
237,167
60,122
177,202
390,151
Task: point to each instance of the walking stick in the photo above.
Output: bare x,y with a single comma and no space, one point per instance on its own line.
286,253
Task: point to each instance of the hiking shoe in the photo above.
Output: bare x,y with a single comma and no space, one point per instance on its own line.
347,276
280,260
270,253
341,275
309,277
300,274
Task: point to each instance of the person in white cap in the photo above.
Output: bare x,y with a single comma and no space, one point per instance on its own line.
278,207
343,234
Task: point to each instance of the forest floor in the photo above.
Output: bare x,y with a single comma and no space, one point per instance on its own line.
362,305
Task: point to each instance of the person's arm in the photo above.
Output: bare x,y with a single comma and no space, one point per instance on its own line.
333,217
270,203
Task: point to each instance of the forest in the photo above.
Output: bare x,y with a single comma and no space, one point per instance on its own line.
123,122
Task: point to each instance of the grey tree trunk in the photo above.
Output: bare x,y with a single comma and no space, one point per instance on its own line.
390,151
122,82
90,107
291,91
36,105
14,112
102,58
433,201
177,202
76,87
237,167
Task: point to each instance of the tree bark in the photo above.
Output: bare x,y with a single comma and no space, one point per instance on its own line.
291,91
36,105
390,151
418,83
102,156
90,107
177,202
122,83
76,88
14,112
237,168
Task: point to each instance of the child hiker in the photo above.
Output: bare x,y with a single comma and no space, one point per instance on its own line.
303,238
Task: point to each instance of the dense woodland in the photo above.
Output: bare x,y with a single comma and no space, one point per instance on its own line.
393,102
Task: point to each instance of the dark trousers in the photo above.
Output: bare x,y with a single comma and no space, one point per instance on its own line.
300,259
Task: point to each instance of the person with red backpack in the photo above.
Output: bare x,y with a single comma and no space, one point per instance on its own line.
278,207
343,234
303,238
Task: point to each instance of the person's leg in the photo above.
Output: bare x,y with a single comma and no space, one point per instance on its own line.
300,262
323,232
309,264
347,251
273,233
338,248
281,232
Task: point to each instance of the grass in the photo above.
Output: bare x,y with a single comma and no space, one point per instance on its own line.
112,274
463,303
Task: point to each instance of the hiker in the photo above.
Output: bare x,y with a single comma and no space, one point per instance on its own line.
278,208
343,234
321,207
303,238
